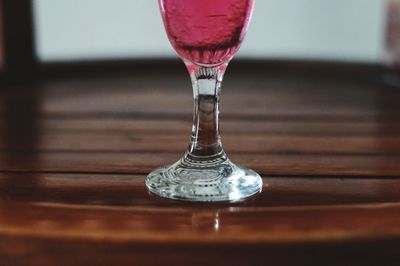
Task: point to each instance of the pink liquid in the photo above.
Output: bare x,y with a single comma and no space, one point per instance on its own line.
206,32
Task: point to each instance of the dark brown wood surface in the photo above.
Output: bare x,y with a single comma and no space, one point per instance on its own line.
75,149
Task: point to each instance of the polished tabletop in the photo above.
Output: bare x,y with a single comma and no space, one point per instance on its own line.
75,149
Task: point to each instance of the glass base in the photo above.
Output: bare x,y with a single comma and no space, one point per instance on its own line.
216,180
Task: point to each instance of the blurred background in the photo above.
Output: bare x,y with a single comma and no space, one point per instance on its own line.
339,30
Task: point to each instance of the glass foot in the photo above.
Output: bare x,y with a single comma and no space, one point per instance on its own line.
204,181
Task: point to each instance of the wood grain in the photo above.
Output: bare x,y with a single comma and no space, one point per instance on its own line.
75,150
128,190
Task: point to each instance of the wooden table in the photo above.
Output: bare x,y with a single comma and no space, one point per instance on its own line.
75,147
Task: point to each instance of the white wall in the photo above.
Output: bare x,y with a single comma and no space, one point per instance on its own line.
316,29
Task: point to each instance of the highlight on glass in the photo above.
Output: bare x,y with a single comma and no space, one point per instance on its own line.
206,34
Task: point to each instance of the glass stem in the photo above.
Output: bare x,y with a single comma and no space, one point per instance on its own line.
206,142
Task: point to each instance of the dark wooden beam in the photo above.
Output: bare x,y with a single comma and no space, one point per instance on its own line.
19,48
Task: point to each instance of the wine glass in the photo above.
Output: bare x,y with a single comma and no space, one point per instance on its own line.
392,44
206,34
